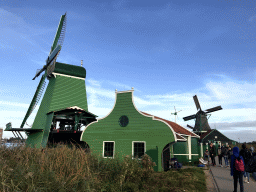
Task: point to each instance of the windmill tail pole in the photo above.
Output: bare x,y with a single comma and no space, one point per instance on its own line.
32,104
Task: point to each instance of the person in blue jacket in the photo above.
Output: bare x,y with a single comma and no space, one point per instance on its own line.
236,174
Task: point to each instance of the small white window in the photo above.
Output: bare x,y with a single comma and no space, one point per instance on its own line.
138,149
108,149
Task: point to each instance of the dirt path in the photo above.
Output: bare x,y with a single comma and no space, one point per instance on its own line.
209,181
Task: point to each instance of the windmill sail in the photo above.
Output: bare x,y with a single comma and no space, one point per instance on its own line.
50,63
189,117
213,109
197,103
190,127
51,66
60,34
35,99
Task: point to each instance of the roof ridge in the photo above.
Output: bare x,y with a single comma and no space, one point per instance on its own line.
185,131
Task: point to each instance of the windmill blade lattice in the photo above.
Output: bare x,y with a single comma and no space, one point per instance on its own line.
49,67
35,99
63,31
38,97
60,34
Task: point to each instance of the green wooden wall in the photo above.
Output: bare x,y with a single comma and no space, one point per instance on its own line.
181,150
61,92
155,133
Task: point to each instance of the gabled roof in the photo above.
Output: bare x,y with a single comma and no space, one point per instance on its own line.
177,128
205,134
74,108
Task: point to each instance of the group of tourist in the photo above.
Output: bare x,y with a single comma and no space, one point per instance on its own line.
223,152
241,163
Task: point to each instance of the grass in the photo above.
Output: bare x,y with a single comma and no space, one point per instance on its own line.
239,145
66,169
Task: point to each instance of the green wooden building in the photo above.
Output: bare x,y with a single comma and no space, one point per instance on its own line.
65,98
128,131
215,137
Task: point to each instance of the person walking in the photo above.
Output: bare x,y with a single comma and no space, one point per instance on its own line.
246,154
206,156
237,169
254,164
220,156
230,153
225,155
212,154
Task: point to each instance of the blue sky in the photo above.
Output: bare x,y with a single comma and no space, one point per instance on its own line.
168,51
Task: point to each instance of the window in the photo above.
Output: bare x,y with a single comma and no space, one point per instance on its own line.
108,147
139,149
123,121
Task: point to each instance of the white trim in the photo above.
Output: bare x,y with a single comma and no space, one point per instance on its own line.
184,139
186,154
55,74
153,118
190,135
166,147
133,147
189,146
97,120
201,144
124,91
104,149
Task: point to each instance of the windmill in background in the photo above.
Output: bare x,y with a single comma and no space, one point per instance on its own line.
201,125
175,113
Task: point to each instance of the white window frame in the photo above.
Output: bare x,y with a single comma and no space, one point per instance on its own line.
133,148
104,149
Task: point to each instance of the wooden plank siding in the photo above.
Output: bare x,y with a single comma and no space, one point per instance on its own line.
155,133
63,91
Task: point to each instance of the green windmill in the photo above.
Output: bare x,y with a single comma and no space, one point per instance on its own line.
63,110
201,125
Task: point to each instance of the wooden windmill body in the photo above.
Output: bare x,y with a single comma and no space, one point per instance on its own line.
201,117
64,101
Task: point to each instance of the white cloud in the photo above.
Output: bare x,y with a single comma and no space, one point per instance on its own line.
245,135
120,86
16,104
230,91
94,82
143,103
101,92
224,93
224,125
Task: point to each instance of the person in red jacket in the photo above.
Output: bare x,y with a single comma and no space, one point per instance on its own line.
234,172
